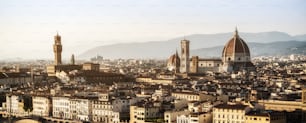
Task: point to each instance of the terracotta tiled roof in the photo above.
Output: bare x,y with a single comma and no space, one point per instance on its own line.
236,106
174,59
236,45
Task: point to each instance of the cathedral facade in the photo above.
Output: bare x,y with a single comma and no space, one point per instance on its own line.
235,57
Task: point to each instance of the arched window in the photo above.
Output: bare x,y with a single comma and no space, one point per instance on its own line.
229,58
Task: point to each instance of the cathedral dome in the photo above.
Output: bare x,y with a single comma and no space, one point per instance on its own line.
173,59
173,63
236,49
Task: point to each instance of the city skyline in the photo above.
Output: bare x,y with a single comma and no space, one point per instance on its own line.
84,25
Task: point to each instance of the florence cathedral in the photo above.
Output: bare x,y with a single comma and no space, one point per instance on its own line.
235,57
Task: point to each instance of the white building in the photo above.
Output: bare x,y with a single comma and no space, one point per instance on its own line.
80,109
61,107
14,105
41,106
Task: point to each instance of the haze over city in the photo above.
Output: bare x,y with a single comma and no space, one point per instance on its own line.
28,26
152,61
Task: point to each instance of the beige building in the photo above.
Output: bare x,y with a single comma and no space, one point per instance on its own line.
102,111
170,116
199,117
191,96
154,81
91,66
225,113
144,113
41,106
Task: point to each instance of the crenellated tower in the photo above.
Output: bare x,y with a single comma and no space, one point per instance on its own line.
57,48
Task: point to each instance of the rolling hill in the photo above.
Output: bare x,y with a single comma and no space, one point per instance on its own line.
204,45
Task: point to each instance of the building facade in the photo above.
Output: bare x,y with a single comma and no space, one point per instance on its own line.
225,113
265,117
102,111
80,109
61,107
144,113
41,106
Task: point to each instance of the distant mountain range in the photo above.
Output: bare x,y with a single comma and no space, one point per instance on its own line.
205,45
259,49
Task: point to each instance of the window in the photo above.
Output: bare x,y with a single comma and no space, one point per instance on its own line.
239,58
229,58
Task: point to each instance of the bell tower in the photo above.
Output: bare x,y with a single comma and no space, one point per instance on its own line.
184,56
57,48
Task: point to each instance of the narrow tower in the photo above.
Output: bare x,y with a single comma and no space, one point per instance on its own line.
57,48
184,56
72,59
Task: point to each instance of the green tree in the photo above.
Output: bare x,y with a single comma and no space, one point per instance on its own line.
28,104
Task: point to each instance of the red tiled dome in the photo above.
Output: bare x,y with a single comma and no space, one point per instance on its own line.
174,59
235,45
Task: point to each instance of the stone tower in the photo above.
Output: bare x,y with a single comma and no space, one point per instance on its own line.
57,48
194,64
184,56
72,60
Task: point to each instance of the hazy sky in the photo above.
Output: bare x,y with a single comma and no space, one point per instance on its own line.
28,26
